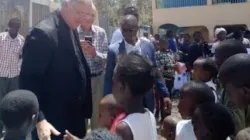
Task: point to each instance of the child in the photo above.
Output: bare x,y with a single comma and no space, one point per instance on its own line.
192,94
204,70
234,75
169,127
166,63
19,110
212,122
134,76
225,50
109,111
102,134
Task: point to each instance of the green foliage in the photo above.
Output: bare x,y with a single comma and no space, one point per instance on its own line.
112,9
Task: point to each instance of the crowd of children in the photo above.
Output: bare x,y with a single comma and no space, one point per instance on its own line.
206,114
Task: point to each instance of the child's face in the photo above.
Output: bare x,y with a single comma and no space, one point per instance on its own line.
186,104
168,130
239,96
199,74
105,117
200,130
163,44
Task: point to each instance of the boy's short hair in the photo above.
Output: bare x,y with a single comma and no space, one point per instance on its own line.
217,120
17,107
236,70
173,119
208,64
200,91
228,48
102,134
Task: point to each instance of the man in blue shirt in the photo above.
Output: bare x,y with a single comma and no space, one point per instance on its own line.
131,43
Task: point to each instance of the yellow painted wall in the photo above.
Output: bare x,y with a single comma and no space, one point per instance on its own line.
208,16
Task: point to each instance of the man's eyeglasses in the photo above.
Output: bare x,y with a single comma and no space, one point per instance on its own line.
83,14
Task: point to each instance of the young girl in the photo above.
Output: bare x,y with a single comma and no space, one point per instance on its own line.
205,71
134,76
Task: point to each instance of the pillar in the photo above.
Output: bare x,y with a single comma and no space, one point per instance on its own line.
211,32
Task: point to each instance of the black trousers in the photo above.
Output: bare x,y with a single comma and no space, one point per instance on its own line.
169,84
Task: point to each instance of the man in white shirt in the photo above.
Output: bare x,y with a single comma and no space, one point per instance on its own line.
11,45
95,52
117,35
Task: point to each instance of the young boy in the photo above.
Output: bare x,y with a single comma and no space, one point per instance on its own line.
205,71
109,110
102,134
192,94
19,110
134,76
166,63
212,122
169,127
235,77
225,50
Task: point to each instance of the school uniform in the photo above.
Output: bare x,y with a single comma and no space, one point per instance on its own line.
212,85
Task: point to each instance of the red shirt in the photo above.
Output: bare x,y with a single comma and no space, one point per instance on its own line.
117,120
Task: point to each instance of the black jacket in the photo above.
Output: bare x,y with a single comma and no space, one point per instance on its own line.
195,51
50,70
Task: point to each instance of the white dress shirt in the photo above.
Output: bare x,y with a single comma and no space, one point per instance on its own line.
10,52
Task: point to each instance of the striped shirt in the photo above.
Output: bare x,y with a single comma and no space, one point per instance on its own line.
10,52
100,42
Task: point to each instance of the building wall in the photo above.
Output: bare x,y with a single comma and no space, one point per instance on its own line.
40,9
14,8
208,16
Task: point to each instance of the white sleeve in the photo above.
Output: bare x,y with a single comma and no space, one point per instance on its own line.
117,36
178,131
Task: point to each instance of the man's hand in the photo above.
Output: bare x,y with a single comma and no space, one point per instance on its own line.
45,129
168,105
69,136
88,49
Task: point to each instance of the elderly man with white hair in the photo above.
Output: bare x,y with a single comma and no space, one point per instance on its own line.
55,69
95,47
220,34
